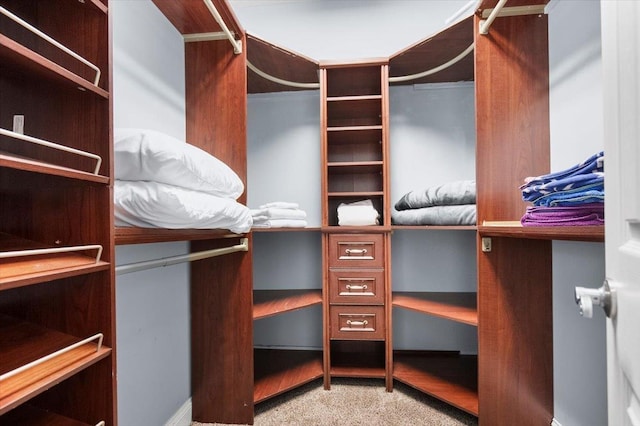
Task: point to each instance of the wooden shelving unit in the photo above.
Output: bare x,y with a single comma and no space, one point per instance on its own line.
449,377
57,321
460,307
273,302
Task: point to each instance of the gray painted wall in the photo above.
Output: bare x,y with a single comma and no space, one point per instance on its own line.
152,306
580,393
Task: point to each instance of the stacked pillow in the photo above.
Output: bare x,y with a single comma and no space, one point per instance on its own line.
164,182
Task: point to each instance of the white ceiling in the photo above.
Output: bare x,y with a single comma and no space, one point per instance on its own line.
346,29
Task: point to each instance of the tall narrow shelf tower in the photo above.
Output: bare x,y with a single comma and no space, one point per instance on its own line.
356,293
57,364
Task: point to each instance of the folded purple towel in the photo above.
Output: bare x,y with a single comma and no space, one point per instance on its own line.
583,215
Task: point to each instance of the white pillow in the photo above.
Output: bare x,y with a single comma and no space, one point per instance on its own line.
149,155
158,205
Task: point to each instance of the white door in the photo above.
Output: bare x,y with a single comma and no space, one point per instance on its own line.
621,71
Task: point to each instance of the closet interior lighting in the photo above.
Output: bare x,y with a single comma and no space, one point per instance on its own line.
60,46
53,145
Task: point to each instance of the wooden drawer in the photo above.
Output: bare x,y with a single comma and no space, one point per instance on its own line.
363,286
356,250
357,322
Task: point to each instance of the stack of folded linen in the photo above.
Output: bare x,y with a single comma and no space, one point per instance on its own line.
571,197
360,213
451,203
279,214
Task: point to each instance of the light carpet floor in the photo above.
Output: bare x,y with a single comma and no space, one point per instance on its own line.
356,402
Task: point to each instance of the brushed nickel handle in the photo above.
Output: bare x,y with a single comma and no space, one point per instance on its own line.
356,287
357,323
356,252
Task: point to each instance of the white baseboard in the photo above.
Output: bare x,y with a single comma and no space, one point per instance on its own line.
182,417
554,422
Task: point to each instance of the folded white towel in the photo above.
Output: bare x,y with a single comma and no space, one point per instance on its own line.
360,213
280,205
280,223
278,213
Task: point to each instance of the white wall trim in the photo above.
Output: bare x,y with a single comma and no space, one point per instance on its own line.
554,422
182,417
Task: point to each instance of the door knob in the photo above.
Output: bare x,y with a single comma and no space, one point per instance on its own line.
586,298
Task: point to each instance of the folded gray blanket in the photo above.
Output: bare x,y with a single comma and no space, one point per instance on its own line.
437,215
452,193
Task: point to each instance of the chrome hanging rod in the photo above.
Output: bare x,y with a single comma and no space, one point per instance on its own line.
167,261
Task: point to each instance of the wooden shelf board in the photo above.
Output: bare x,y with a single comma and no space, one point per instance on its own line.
305,229
460,307
513,229
355,371
125,235
22,342
25,59
354,128
30,165
356,164
21,271
434,227
355,194
277,371
33,416
375,229
273,302
453,379
353,98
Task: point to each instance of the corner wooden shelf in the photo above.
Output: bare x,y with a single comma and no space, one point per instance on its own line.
24,342
451,378
22,271
458,306
267,303
277,371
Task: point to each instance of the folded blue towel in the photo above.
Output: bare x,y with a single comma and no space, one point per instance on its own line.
593,164
576,183
558,199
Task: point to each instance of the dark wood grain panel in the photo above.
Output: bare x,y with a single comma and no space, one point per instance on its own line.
125,236
216,100
515,332
278,62
435,51
221,336
193,16
512,107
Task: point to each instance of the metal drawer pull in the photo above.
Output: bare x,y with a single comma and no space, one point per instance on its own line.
356,287
356,252
357,323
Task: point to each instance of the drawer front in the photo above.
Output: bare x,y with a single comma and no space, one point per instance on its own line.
356,250
357,322
356,286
